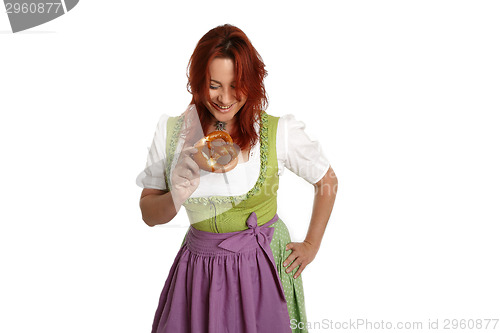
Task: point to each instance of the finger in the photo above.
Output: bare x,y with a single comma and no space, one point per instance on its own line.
195,182
290,258
180,180
293,266
179,176
187,153
299,271
185,173
189,150
187,168
192,165
180,186
186,156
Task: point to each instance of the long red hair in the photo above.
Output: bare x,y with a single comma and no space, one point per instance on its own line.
228,41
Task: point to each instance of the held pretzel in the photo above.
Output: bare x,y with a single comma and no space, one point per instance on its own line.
208,155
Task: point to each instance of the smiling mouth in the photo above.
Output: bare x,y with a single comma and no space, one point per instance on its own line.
222,108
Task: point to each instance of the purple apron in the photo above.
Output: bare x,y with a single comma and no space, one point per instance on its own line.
224,283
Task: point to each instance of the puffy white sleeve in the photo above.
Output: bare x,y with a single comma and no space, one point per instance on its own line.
153,175
297,152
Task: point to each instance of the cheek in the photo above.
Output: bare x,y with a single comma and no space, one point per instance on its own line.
212,95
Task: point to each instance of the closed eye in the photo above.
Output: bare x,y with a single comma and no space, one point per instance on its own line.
214,87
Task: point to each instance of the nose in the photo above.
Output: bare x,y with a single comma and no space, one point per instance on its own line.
225,96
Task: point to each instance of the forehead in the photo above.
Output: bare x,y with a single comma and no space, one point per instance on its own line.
222,70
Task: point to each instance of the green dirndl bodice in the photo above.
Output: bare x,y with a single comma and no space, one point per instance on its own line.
222,214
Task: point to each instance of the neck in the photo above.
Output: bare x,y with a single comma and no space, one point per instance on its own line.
228,125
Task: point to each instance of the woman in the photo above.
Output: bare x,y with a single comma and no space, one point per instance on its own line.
237,270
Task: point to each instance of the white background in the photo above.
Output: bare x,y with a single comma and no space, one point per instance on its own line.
402,95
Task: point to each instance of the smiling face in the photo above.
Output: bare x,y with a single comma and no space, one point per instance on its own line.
223,104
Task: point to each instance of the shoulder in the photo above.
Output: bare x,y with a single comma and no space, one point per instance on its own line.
269,116
287,118
285,125
288,122
162,121
274,121
292,132
166,122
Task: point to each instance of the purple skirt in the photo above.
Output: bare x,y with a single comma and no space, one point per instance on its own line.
224,283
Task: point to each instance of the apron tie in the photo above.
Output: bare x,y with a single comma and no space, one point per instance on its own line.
264,235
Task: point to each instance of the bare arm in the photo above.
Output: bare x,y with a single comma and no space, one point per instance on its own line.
304,252
160,207
157,206
325,192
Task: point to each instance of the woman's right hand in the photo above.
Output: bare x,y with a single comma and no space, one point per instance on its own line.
185,177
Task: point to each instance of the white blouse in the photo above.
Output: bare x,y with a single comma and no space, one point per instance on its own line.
295,151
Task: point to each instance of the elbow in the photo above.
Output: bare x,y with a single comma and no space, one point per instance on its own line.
148,222
153,208
152,221
146,218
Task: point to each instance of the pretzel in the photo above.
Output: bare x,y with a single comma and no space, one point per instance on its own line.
208,155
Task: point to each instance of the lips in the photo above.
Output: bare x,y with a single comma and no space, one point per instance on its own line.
223,110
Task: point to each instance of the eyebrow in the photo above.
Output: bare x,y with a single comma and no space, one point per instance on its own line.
219,82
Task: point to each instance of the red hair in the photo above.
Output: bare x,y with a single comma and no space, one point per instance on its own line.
227,41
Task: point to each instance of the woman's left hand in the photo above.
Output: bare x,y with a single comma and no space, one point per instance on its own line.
302,255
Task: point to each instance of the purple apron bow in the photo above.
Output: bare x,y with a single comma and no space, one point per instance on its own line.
264,235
